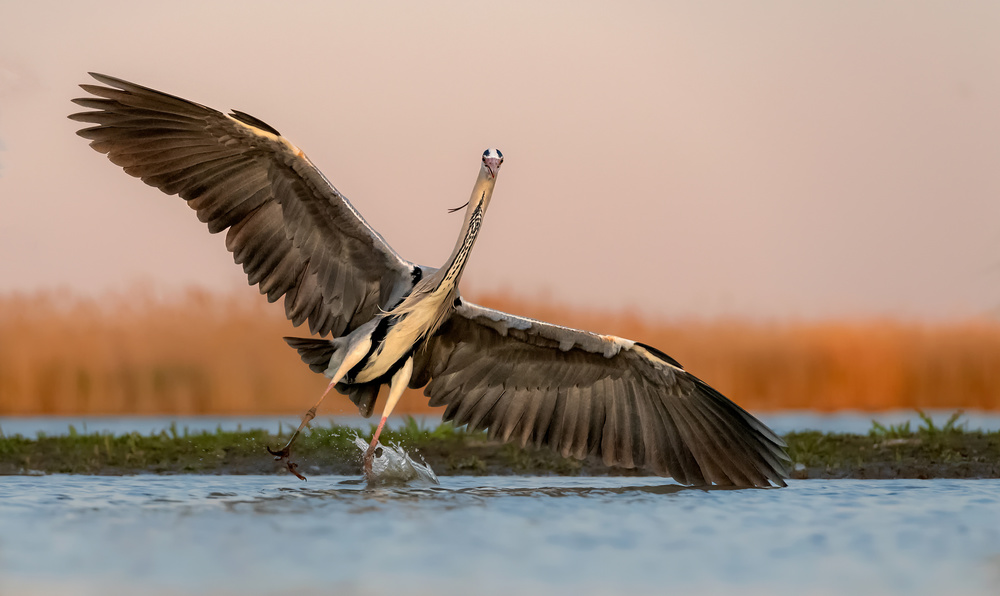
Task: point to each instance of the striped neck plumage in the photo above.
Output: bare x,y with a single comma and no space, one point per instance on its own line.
482,192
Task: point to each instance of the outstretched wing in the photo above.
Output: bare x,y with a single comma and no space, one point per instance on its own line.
294,233
585,394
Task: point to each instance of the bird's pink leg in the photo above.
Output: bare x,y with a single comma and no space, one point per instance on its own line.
353,357
286,452
399,382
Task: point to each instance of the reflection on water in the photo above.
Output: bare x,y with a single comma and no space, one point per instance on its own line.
494,535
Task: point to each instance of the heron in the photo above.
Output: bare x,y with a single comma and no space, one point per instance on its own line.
378,319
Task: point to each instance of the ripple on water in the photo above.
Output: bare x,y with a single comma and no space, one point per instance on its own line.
494,535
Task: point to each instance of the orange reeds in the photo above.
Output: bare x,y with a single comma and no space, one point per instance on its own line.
194,354
201,353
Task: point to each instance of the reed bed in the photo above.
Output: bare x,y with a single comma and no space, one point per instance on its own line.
201,353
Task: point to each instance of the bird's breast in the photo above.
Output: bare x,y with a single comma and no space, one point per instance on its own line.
404,334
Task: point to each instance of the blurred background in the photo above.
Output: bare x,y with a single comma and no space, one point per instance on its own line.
797,201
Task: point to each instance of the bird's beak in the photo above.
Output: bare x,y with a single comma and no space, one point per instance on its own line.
492,166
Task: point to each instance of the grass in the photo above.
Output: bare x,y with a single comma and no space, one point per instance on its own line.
898,450
201,353
895,451
329,449
927,427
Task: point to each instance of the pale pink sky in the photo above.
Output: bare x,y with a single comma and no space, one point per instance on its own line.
769,158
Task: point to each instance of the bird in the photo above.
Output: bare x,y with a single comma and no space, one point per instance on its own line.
378,319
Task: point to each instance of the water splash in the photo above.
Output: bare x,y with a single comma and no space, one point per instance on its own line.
392,466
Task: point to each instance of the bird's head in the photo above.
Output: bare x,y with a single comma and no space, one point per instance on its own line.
483,190
492,158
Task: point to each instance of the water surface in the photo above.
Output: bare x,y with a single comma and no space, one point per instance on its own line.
846,421
494,535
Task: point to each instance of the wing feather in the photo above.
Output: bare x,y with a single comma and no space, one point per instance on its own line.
294,233
528,423
543,422
737,445
678,460
598,415
514,414
610,440
584,394
575,400
491,395
576,417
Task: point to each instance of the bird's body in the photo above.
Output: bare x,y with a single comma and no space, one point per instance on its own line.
423,310
392,322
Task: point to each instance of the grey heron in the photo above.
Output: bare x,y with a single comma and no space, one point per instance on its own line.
383,320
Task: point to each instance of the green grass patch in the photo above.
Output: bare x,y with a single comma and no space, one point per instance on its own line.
886,451
898,451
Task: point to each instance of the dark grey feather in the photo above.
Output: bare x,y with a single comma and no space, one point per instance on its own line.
582,394
294,233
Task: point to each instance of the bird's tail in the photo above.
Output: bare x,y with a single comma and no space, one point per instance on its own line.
314,352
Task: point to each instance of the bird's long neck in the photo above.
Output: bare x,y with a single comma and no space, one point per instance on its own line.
449,275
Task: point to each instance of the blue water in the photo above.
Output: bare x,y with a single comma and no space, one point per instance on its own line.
782,422
494,535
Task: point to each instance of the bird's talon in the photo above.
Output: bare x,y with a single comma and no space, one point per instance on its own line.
294,469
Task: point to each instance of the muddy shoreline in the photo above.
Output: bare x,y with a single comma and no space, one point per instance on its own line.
887,453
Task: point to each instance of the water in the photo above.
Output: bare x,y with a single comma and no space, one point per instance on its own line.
393,466
494,535
30,426
781,422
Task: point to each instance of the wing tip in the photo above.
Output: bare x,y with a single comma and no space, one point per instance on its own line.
254,121
660,354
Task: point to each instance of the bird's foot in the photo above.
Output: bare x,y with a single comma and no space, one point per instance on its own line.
374,450
294,469
285,455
